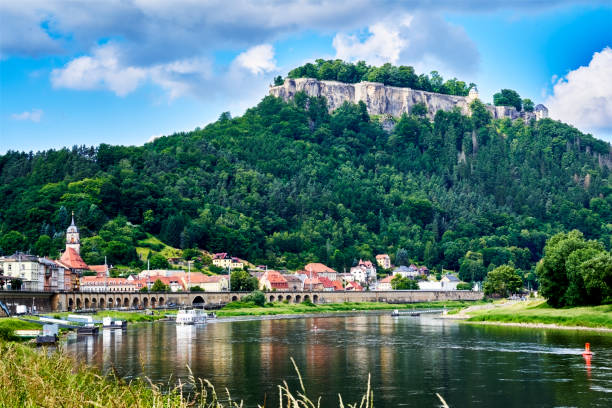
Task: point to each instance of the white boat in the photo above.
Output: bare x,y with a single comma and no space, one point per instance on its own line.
191,316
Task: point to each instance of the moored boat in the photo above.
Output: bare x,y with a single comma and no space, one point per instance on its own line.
191,316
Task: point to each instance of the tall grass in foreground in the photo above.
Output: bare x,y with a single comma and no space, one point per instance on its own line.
31,378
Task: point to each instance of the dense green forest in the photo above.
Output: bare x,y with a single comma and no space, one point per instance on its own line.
289,183
402,76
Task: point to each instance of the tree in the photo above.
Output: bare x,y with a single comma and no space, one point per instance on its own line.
528,105
400,282
12,242
159,286
552,270
502,281
508,97
401,257
158,261
191,253
257,297
242,281
43,245
144,289
480,115
278,80
419,109
472,268
597,275
196,289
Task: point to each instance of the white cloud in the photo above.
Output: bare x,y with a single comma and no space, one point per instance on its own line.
584,96
423,40
35,115
105,69
383,45
258,59
101,70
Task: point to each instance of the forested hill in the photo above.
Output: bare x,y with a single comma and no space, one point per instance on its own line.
288,183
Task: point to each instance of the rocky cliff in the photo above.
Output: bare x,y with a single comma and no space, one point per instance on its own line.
390,100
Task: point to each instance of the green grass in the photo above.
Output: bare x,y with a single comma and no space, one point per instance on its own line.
133,317
280,308
8,325
538,312
32,378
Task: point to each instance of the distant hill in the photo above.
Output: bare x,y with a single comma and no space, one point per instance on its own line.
288,183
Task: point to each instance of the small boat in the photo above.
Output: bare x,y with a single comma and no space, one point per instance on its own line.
415,314
395,313
109,323
191,316
88,330
43,340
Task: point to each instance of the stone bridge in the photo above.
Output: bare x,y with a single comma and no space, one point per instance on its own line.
66,301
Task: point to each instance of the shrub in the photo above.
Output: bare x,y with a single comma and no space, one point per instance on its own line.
256,297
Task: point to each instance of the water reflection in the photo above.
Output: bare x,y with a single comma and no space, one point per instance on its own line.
409,359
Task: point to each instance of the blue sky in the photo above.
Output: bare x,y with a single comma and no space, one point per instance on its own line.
122,72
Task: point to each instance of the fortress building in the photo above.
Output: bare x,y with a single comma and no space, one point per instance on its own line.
391,100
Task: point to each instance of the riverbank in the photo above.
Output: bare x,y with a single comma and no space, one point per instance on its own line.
538,314
32,378
279,308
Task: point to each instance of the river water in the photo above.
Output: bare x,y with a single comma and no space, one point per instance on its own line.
409,360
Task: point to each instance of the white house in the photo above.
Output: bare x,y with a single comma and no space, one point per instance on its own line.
364,272
27,268
449,282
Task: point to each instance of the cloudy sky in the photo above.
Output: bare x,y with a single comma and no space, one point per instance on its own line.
123,72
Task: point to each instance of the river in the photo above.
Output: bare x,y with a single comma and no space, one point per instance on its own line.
409,360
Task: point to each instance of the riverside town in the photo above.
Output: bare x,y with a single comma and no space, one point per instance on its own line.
305,204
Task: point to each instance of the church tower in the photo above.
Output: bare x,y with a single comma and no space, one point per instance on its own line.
72,237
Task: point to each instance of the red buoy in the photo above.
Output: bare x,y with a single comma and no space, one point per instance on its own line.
587,349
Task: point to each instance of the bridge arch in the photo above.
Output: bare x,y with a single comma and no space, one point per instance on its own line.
298,299
87,303
145,302
315,298
306,297
101,303
135,303
110,303
126,302
79,303
161,301
153,302
118,302
271,298
280,298
234,298
288,298
198,301
70,304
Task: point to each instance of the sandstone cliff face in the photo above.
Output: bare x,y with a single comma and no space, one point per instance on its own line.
381,99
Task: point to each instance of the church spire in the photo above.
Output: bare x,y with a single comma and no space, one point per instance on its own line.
72,237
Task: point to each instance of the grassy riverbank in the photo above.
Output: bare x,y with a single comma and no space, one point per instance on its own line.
538,312
9,325
35,378
129,316
280,308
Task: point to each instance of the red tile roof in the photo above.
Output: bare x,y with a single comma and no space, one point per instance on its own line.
338,285
98,268
317,267
387,279
354,286
72,259
327,283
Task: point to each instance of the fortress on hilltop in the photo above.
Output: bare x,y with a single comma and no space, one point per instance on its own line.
389,100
